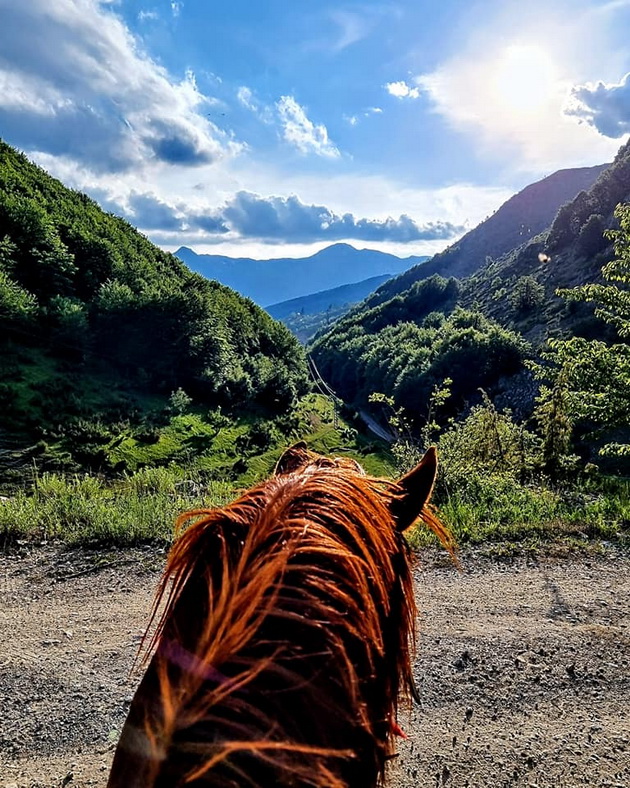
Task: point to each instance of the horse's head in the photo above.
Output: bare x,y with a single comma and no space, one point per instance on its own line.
285,638
407,499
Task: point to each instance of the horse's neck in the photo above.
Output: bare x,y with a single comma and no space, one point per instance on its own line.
135,763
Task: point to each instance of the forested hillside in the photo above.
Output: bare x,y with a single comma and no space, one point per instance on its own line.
307,315
98,324
478,331
522,217
519,288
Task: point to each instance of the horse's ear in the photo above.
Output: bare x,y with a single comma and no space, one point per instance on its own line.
292,459
416,488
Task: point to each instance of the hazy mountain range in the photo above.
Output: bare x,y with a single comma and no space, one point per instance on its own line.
273,281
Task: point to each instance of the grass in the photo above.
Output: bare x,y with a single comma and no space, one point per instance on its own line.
499,509
203,462
85,509
193,461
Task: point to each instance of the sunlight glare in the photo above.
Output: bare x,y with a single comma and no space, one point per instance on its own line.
525,79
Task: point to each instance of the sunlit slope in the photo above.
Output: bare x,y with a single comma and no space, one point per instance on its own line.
94,318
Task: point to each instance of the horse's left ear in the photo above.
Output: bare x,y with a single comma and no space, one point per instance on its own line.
416,488
292,459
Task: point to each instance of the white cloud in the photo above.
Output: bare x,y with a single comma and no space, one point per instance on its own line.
24,93
246,98
288,218
402,90
354,120
507,87
602,105
301,132
144,15
176,8
108,104
351,27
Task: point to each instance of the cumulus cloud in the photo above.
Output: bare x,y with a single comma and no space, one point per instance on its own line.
402,90
283,219
604,106
149,212
301,132
106,102
288,218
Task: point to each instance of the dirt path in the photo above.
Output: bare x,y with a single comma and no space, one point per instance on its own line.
524,670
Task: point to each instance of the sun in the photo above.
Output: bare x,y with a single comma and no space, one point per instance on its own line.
525,79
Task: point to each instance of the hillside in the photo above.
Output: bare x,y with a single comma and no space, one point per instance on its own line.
327,299
518,220
98,326
307,315
518,289
416,330
274,281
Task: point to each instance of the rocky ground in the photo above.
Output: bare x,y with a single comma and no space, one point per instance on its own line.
523,667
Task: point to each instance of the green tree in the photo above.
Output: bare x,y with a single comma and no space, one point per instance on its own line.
597,373
16,303
526,295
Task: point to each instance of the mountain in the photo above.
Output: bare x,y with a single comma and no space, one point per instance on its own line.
327,299
522,217
427,325
519,288
307,315
273,281
98,324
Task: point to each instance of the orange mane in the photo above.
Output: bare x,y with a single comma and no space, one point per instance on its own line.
283,644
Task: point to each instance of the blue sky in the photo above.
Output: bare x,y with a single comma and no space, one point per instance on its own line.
276,127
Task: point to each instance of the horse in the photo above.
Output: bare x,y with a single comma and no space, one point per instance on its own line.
283,628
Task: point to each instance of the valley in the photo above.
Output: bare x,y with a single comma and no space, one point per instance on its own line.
324,308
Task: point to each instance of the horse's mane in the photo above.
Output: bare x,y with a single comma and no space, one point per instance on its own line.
282,643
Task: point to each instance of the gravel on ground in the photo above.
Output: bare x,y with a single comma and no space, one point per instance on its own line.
523,666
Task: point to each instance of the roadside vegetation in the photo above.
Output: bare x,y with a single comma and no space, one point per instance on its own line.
191,462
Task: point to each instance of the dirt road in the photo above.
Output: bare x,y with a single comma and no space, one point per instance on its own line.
524,670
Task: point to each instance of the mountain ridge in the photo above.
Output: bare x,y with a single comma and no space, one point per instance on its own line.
275,280
520,218
336,296
421,328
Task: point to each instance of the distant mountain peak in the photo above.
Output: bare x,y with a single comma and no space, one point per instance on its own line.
185,250
273,281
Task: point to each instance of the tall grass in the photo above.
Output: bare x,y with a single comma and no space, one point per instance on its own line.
85,509
143,506
498,508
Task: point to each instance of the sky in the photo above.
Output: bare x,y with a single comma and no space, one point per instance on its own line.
273,128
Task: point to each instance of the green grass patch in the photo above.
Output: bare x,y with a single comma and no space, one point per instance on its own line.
499,509
85,509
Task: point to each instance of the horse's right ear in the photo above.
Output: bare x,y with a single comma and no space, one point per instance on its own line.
415,488
292,459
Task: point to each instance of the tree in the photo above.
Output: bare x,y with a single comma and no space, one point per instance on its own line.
526,295
597,373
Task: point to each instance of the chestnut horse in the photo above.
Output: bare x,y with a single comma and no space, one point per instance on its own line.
283,645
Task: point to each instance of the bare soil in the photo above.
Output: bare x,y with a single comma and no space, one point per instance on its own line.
523,666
